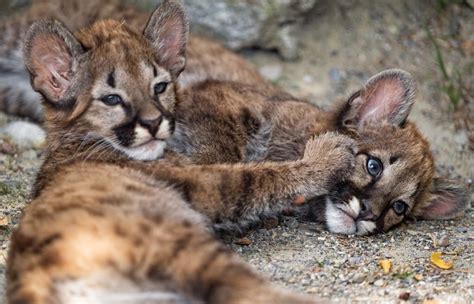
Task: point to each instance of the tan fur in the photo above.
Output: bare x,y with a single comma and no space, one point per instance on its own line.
117,225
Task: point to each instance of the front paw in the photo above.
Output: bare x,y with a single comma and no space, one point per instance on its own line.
331,155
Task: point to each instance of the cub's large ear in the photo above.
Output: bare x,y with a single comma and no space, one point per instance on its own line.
386,97
51,52
447,200
167,31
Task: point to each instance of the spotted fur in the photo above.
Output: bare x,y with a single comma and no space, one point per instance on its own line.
104,224
233,115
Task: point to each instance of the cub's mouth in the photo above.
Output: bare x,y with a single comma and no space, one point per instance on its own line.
141,142
348,217
341,212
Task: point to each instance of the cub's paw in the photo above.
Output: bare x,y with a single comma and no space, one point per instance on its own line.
331,153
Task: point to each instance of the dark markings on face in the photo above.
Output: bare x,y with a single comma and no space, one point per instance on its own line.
125,133
393,159
155,72
166,114
417,191
111,79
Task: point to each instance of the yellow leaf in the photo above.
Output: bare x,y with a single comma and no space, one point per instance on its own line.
439,262
4,220
386,265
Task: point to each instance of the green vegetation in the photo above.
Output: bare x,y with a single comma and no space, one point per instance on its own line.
452,86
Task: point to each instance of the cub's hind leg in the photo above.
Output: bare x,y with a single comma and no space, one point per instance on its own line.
91,253
165,262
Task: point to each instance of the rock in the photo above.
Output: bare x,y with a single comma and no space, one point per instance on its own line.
355,260
267,24
25,135
379,283
308,79
3,119
336,75
7,148
358,278
404,296
443,241
30,154
292,223
270,223
271,72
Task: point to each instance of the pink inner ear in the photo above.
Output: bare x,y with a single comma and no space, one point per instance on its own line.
442,206
171,43
52,64
382,100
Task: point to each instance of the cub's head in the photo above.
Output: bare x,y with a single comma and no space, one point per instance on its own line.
108,85
394,176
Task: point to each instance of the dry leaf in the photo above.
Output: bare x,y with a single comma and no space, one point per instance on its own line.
4,220
439,262
299,200
243,241
386,265
418,277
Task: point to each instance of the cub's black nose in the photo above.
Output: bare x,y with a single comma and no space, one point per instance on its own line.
151,125
365,211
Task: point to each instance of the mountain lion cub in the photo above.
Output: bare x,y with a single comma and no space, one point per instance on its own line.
232,115
109,222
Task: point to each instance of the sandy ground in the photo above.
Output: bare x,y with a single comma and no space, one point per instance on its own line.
343,45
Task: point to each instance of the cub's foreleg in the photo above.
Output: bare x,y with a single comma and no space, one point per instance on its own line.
238,193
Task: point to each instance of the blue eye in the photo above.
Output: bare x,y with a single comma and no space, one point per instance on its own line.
111,100
399,207
160,87
374,167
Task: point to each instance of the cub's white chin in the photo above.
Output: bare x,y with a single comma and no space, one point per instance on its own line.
340,222
151,150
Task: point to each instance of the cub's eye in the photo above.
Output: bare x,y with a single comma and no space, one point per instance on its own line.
111,100
160,87
399,207
374,167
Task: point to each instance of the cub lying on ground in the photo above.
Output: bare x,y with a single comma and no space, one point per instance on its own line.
233,115
106,226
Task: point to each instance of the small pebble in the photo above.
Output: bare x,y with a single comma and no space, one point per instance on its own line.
7,148
271,72
270,223
358,278
25,135
443,241
404,296
379,283
292,223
